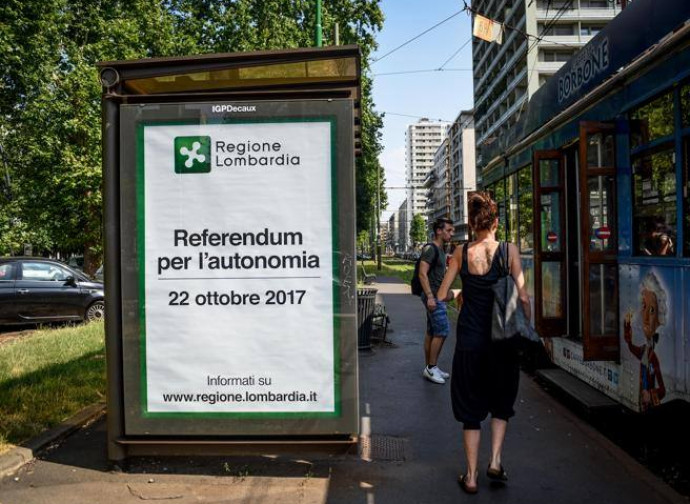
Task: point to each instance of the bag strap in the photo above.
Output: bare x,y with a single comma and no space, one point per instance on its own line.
436,253
504,258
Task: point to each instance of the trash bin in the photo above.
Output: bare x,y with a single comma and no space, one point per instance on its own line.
366,300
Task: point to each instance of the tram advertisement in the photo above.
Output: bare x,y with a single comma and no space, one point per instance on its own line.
649,333
236,225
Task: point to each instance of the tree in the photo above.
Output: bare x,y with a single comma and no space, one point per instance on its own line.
50,131
418,230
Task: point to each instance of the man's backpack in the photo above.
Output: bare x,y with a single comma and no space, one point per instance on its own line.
415,284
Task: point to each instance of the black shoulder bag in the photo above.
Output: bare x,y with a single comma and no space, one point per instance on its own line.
508,317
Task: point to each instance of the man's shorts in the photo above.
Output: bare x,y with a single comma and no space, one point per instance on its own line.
437,320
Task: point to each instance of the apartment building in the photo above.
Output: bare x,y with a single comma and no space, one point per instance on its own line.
437,184
421,141
463,172
392,235
403,229
453,175
507,75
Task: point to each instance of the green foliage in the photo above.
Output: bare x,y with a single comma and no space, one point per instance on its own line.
50,122
418,230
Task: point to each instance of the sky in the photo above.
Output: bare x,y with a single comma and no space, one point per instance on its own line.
436,95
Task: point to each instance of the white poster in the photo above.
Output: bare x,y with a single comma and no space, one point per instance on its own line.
237,264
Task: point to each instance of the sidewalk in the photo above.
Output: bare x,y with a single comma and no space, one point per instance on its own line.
412,453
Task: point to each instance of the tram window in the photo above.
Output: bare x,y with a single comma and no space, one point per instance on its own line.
602,288
685,105
551,289
686,213
525,211
549,172
654,202
500,199
600,150
602,221
651,121
512,203
551,236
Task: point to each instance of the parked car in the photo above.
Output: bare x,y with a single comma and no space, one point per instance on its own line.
98,276
34,289
76,262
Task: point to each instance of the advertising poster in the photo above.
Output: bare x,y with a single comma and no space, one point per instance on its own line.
236,269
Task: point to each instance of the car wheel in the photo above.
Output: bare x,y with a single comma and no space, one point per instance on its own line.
96,311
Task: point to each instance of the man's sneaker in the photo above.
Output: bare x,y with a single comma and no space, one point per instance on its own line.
444,374
433,375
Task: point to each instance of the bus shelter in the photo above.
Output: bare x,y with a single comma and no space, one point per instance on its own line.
229,194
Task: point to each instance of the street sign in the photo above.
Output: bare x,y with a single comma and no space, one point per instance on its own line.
603,233
551,237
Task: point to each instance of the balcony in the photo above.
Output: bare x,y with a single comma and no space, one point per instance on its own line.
584,13
549,67
560,40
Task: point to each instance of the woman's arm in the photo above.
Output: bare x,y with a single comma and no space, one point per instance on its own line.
452,271
519,277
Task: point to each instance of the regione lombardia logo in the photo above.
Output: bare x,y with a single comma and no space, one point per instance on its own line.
193,154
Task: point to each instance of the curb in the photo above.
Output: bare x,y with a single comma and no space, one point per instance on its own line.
20,455
632,466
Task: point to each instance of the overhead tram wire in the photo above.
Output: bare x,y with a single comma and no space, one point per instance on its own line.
455,53
429,70
417,36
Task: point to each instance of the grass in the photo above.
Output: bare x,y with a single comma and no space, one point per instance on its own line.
393,267
47,377
390,267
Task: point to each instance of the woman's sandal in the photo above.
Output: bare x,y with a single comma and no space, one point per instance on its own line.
462,481
499,474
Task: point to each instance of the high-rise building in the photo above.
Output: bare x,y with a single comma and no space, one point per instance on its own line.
506,75
453,175
403,228
421,141
392,240
437,184
463,172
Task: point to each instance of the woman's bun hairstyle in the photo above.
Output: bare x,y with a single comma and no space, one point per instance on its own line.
482,211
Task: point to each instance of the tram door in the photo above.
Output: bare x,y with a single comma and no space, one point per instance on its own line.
598,242
550,250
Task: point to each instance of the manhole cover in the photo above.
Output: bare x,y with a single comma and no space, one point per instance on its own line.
383,448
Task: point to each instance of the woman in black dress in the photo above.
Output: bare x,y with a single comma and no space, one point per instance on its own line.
485,374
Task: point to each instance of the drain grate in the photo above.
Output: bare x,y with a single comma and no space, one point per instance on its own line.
388,448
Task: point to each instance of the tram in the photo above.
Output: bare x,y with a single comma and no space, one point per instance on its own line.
593,184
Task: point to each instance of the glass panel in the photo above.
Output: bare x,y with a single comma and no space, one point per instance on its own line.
551,289
525,212
501,232
512,209
600,150
685,105
686,213
42,272
654,205
651,121
603,315
550,222
500,198
548,172
528,270
5,271
339,69
602,218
